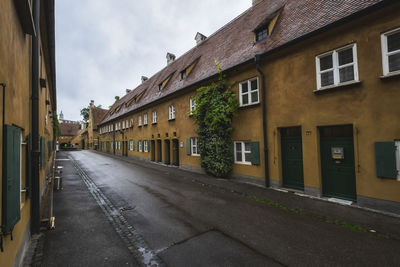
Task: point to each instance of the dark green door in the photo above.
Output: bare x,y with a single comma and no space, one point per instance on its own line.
337,162
292,158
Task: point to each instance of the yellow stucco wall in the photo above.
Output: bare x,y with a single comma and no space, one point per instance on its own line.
15,72
372,106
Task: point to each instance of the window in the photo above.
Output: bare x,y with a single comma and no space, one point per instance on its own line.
146,146
248,92
112,145
126,124
131,123
154,117
119,125
171,112
194,147
183,75
140,120
145,119
262,33
192,105
243,152
123,124
131,146
140,146
391,52
337,67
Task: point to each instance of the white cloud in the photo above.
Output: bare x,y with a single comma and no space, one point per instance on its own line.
105,46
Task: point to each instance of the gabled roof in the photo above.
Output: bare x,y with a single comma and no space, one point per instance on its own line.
69,129
234,44
98,115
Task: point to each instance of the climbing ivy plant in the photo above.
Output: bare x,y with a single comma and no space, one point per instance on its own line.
213,113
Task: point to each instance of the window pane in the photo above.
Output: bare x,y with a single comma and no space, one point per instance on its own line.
247,147
253,85
346,74
327,78
394,62
326,62
245,99
247,157
345,56
239,147
254,97
244,87
393,42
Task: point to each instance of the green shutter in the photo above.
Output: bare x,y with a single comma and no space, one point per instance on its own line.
42,152
232,150
28,162
385,153
255,153
188,148
11,178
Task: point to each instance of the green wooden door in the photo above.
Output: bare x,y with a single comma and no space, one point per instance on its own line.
337,164
292,158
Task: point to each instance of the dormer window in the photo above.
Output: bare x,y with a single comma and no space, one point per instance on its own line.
183,75
265,28
162,85
262,34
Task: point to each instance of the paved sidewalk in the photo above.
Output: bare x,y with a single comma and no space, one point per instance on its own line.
83,235
353,218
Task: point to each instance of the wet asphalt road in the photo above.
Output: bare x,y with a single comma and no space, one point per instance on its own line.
186,223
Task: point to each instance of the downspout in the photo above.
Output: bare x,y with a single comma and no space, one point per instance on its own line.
264,119
35,201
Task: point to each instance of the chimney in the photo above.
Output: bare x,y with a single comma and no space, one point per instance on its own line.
200,37
255,2
144,78
170,58
91,103
127,91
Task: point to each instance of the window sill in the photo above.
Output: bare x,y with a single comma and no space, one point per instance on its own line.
242,163
337,87
171,119
395,74
249,105
144,125
195,155
154,123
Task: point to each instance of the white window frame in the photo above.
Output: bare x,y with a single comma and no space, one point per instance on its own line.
112,145
131,123
192,105
249,92
140,120
171,112
146,146
154,117
131,145
140,146
335,67
193,146
386,54
145,119
123,124
243,152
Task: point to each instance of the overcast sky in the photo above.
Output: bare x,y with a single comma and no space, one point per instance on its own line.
105,46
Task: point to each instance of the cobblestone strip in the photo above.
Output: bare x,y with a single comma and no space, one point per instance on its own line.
135,242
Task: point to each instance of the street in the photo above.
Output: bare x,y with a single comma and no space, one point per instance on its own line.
170,217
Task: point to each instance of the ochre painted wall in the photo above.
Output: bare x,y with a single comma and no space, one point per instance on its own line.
372,106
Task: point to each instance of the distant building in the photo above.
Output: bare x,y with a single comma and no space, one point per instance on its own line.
96,115
68,130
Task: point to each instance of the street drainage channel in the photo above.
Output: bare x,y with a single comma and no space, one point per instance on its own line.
134,241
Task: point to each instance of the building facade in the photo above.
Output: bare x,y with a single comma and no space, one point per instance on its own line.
68,130
27,78
318,92
96,115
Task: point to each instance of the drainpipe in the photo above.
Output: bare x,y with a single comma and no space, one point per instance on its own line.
35,201
264,119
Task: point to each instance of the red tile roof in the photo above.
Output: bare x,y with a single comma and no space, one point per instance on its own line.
233,44
98,115
69,129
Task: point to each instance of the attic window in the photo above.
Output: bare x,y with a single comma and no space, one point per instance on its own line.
118,108
262,33
185,73
127,104
162,85
266,27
